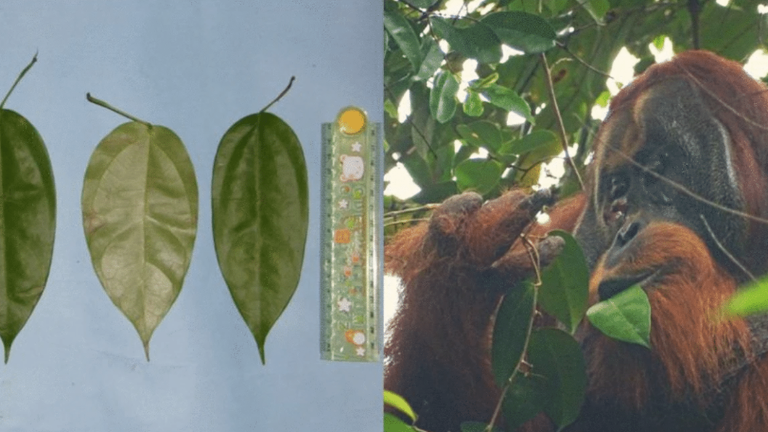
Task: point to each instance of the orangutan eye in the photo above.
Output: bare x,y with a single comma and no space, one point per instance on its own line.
619,186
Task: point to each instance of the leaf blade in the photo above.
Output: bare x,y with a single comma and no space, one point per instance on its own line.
139,204
260,247
625,316
27,222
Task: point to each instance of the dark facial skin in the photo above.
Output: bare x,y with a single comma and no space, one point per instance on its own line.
668,136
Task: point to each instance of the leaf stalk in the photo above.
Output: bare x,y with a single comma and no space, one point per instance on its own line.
280,96
21,75
103,104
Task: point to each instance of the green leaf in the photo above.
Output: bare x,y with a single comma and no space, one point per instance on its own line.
442,98
507,99
473,426
394,424
27,222
403,34
482,133
396,401
423,3
477,42
749,300
525,398
260,217
625,316
479,84
510,331
139,207
523,31
432,59
535,140
473,106
564,289
557,356
479,175
596,8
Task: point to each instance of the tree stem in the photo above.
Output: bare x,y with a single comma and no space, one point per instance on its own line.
21,75
103,104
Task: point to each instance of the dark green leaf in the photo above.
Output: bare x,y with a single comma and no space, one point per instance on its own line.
596,8
260,217
422,3
510,331
564,289
442,98
473,106
479,175
533,141
432,58
402,32
482,133
140,218
749,300
526,398
625,316
477,42
473,426
557,356
397,401
507,99
27,222
523,31
394,424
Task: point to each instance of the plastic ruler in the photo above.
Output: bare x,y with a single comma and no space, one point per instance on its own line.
351,238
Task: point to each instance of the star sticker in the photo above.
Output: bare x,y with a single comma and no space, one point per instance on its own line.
356,147
344,305
343,204
360,351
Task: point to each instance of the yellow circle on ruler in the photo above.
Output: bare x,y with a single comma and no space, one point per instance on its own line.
351,121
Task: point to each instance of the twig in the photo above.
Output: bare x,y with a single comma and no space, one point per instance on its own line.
694,8
725,251
411,210
533,254
556,110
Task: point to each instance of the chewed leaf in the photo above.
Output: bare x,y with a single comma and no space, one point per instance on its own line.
27,222
260,217
140,218
625,316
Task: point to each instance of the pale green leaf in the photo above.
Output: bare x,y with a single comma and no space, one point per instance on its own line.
260,217
397,401
625,316
139,208
749,300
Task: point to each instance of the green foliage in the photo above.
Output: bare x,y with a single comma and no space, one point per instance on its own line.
139,206
542,369
563,292
260,217
27,220
426,50
625,316
749,300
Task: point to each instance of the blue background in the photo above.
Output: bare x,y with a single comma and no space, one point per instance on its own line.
195,66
